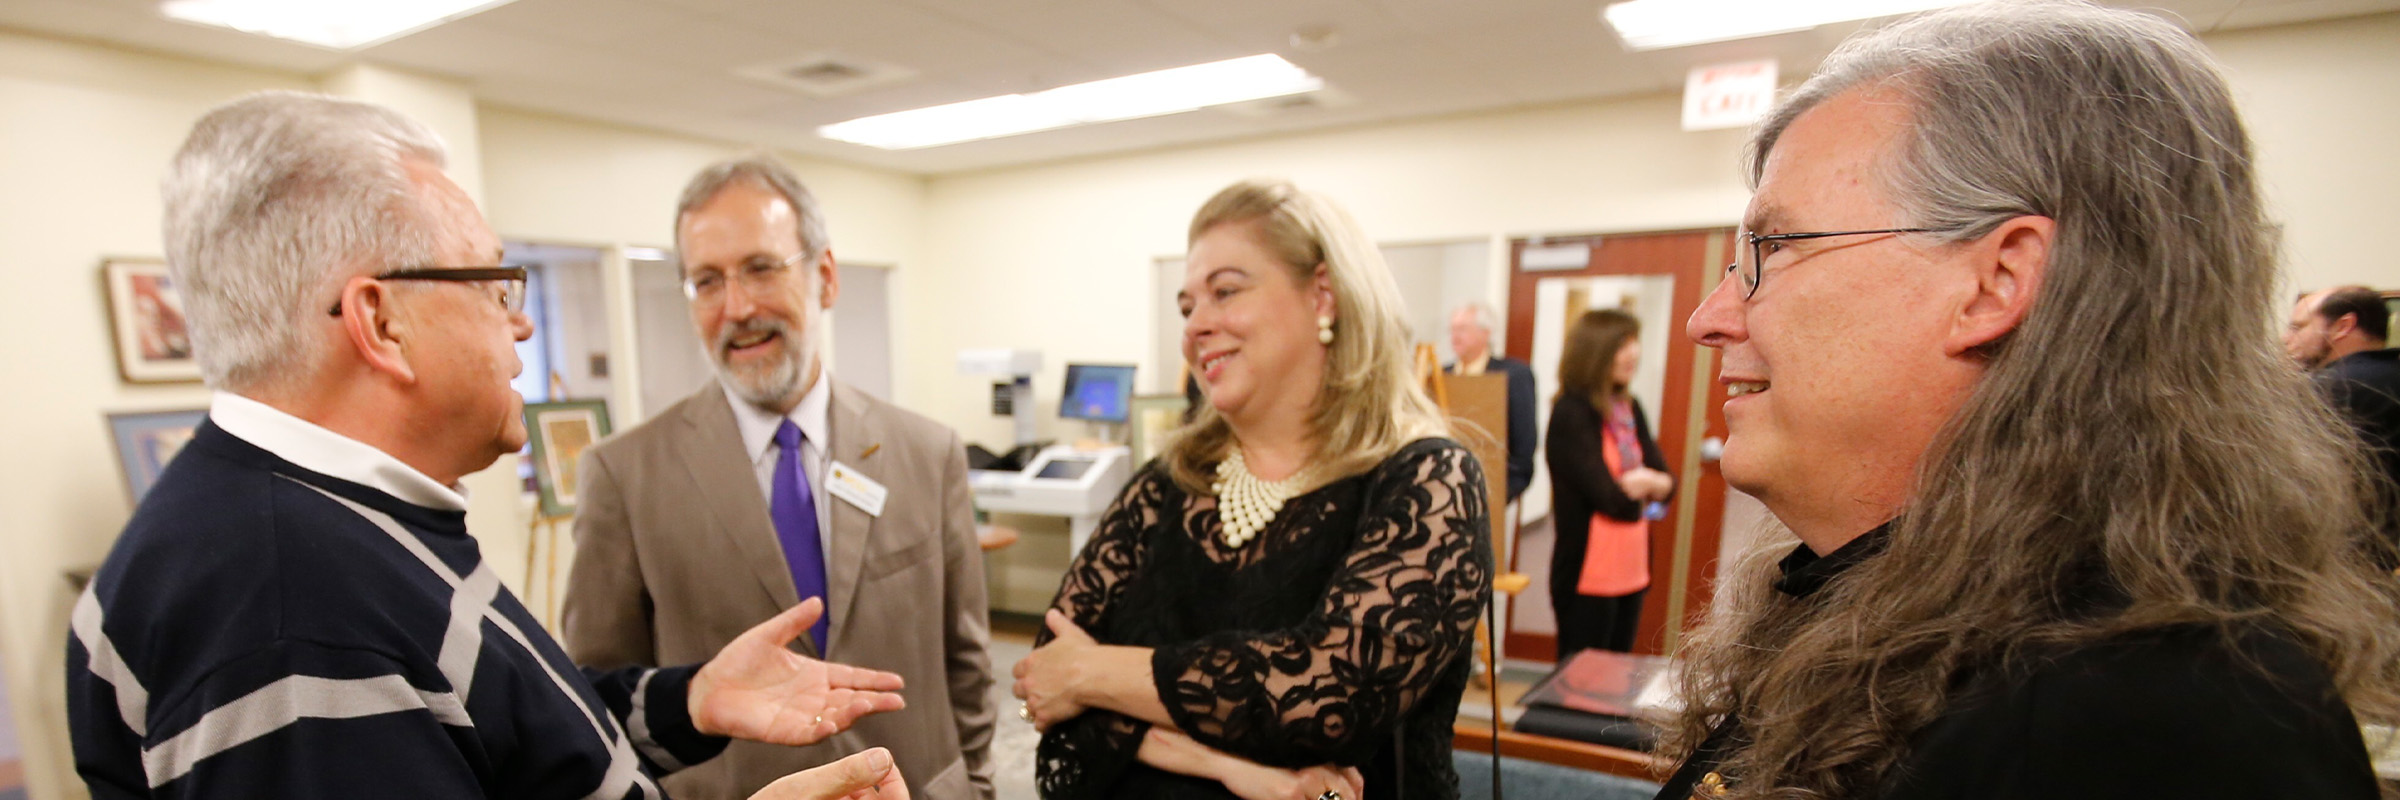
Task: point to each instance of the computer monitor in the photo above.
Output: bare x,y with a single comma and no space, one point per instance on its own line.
1097,392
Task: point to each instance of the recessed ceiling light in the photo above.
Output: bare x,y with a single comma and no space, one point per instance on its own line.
338,24
1150,94
1654,24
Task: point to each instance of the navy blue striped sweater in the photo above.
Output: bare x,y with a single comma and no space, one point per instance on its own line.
264,631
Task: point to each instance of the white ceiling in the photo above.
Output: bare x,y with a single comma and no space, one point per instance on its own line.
672,64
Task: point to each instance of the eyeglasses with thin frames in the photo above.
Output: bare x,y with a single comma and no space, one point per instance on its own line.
511,280
758,274
1752,271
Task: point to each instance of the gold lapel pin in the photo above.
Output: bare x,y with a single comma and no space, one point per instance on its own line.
870,450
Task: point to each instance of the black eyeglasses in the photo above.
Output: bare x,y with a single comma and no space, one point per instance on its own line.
511,279
1750,271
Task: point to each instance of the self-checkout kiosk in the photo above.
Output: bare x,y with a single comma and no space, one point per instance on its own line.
1075,481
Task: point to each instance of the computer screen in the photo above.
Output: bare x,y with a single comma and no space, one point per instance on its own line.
1097,392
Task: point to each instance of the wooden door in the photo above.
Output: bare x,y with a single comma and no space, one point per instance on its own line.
1664,275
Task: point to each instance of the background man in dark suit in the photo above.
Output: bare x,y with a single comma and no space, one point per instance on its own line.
1471,340
2343,334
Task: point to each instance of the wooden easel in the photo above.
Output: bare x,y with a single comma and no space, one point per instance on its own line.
547,599
540,531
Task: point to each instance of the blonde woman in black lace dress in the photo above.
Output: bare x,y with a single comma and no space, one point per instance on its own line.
1282,605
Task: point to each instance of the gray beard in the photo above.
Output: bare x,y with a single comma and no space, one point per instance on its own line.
774,389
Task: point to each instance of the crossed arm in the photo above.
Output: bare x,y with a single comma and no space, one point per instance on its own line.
1327,690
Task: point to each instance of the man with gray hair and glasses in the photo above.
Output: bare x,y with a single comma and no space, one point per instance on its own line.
296,609
776,485
1471,328
2068,524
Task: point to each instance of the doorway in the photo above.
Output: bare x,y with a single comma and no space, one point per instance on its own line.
1660,278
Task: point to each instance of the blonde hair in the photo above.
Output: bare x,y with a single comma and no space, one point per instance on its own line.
1370,403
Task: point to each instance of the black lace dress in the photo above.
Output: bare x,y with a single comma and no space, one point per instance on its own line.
1342,634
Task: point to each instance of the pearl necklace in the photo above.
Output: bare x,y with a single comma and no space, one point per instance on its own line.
1245,504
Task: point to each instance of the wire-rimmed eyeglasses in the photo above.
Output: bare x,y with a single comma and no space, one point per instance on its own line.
1751,271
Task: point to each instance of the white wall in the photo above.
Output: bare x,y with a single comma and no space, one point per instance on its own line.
85,133
2322,102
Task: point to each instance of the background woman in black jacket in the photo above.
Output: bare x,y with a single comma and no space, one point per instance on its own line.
1605,471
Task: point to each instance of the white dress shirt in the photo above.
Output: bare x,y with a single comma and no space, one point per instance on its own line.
758,440
319,450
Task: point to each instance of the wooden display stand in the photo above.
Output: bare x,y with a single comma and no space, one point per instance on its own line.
1481,401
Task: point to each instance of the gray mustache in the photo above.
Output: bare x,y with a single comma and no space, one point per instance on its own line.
746,327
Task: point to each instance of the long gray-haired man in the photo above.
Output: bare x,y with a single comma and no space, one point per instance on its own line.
2069,527
296,609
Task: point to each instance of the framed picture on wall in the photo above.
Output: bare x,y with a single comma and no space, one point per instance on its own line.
147,440
1154,418
561,431
154,345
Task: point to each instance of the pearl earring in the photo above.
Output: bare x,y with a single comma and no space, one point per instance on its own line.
1324,330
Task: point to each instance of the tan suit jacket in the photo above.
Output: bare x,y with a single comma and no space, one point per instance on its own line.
676,555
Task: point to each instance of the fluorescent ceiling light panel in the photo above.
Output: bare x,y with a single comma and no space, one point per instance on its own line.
1654,24
337,24
1150,94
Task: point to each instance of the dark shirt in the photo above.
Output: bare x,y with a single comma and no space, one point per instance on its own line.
2365,387
264,631
1343,634
2182,712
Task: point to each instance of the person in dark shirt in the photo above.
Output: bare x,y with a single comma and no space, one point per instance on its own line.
296,609
1607,476
2342,335
2067,525
1283,603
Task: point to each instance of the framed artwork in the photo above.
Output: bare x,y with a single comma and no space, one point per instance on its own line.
147,440
153,343
1154,418
561,431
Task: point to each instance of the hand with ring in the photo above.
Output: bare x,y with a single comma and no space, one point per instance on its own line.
1338,784
1048,679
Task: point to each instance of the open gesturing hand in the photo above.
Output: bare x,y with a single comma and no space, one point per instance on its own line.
758,689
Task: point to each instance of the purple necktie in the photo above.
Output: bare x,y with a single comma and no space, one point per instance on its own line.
794,508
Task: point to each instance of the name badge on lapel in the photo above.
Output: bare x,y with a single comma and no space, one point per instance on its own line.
859,490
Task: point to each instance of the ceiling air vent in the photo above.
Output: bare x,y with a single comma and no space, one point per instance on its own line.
1292,105
826,74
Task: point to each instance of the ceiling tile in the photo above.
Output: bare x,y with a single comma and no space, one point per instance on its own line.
597,23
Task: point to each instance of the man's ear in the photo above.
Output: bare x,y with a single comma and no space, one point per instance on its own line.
2342,326
375,328
2008,265
829,280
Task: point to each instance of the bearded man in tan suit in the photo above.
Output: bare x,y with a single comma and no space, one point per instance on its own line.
777,483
